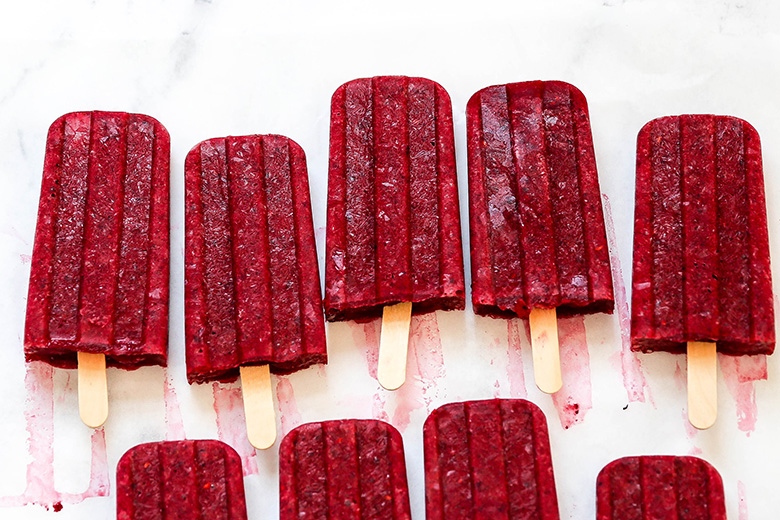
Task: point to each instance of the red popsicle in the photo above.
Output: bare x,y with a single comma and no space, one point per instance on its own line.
659,487
180,480
252,291
488,460
393,240
538,242
99,277
701,254
345,470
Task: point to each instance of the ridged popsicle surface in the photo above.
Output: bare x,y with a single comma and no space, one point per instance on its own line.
180,480
99,275
660,488
345,470
537,227
701,250
488,460
393,220
252,290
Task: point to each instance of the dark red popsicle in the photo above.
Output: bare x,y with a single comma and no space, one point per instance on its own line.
252,290
537,227
701,252
99,276
180,480
660,488
488,460
343,470
393,221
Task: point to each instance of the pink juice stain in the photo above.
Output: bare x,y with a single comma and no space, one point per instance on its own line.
574,399
634,379
231,423
743,506
514,367
174,424
288,408
424,368
366,338
740,374
39,416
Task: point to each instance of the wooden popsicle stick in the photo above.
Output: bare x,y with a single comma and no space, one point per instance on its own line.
393,345
544,344
702,384
93,389
258,406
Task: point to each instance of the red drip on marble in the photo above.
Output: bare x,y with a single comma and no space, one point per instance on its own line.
742,497
574,399
424,368
231,423
634,379
288,408
514,367
740,374
366,337
681,384
174,424
39,416
26,259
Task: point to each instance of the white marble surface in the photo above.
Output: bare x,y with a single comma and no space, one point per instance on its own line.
211,68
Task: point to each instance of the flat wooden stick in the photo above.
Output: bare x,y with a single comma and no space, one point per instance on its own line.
93,389
544,344
393,345
258,406
702,384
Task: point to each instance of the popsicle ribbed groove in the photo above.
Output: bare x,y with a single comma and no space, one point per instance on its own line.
701,259
391,194
102,229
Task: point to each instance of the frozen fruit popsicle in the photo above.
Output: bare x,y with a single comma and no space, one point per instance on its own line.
538,242
252,290
348,469
99,278
701,274
393,239
180,480
659,487
488,460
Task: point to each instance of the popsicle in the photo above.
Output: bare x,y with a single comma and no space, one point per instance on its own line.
393,238
488,459
98,289
347,469
701,276
538,242
659,487
180,480
252,290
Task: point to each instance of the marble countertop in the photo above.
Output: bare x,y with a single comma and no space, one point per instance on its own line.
210,68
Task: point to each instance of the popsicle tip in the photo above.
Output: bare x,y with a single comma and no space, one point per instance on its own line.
393,345
92,389
258,406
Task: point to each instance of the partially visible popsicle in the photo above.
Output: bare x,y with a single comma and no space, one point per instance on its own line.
180,480
99,278
252,291
701,275
659,487
343,470
393,239
538,241
488,459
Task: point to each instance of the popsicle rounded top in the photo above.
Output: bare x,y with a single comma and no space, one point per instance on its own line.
536,223
659,486
252,290
701,268
393,220
99,271
488,459
180,480
343,469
